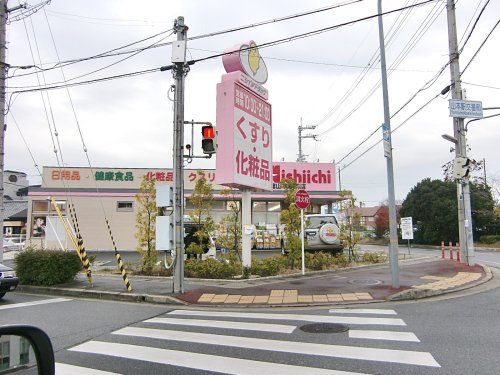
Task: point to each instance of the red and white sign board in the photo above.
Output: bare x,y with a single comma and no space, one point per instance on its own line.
244,153
302,199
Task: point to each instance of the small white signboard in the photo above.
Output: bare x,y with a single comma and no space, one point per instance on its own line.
407,228
386,138
465,108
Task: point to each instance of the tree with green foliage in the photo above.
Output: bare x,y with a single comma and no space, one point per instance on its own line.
290,218
230,226
145,224
350,227
201,199
433,206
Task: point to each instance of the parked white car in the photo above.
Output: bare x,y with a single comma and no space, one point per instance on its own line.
322,233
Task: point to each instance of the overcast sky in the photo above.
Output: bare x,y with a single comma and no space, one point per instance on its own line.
128,122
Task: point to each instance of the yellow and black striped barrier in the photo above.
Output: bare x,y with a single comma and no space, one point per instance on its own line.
119,259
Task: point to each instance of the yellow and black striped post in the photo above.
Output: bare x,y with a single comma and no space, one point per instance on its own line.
78,244
81,247
119,259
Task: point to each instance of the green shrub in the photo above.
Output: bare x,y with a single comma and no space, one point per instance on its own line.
340,260
370,257
211,268
490,238
46,267
269,266
319,260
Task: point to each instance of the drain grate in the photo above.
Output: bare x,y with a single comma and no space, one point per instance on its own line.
324,328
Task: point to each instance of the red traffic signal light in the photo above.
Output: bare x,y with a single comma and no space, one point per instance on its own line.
208,132
208,141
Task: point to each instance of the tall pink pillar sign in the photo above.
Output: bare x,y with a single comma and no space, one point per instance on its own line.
244,123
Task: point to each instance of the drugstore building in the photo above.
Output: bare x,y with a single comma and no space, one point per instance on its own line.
112,191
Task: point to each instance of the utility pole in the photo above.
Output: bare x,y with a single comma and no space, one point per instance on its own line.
3,76
180,70
463,188
301,157
393,248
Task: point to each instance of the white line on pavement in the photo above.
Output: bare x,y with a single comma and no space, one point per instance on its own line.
278,328
34,303
383,335
294,317
64,369
226,365
339,351
363,311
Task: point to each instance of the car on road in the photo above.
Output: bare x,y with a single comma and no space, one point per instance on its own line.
8,280
322,233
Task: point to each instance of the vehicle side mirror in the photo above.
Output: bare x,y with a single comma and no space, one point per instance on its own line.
25,349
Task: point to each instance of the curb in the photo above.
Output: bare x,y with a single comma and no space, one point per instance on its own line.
100,294
410,294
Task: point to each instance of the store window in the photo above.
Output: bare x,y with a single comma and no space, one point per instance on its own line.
126,206
273,206
232,206
40,210
218,205
259,206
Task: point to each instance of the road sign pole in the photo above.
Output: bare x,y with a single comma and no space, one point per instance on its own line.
393,248
302,241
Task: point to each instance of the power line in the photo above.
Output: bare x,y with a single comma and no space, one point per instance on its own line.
191,62
211,34
395,129
402,55
477,84
300,61
479,49
102,54
316,32
474,26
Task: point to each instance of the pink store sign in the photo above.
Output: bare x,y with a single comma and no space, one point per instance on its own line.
309,176
244,136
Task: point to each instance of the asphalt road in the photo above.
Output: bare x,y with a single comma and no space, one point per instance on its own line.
455,334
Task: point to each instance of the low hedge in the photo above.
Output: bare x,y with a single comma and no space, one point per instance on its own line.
211,269
374,257
490,238
46,267
269,266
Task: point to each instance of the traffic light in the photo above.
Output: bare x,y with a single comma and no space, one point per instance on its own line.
208,139
461,167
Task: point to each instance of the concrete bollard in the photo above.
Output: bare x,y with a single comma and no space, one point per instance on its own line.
442,249
457,245
451,250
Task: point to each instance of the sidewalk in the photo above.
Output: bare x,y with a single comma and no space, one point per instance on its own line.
418,278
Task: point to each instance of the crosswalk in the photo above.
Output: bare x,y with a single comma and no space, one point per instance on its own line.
235,342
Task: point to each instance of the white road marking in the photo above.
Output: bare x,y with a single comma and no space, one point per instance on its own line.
363,311
34,303
226,365
305,318
339,351
383,335
278,328
64,369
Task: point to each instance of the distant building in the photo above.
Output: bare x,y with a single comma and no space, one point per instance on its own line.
15,202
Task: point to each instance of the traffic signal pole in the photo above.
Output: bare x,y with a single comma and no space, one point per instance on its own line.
179,71
463,187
